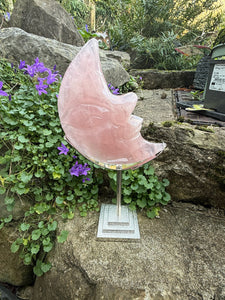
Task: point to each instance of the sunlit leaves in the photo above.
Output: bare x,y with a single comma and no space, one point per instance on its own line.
142,189
63,236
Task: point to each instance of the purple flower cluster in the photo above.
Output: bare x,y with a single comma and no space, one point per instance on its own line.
39,68
114,90
77,169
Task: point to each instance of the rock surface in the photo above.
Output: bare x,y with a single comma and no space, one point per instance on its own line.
12,269
194,160
16,45
178,257
45,18
155,79
194,163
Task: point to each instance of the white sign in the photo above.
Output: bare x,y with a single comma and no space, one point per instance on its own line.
218,78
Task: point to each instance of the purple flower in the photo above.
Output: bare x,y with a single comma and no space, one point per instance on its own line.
7,16
140,78
10,97
86,27
2,93
85,179
116,92
79,169
113,89
31,70
22,64
51,77
63,149
41,86
39,66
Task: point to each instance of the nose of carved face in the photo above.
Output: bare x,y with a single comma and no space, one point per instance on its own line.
97,123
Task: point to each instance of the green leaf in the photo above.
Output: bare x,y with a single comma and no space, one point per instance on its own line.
56,175
46,241
141,203
10,121
127,199
167,197
19,146
27,259
9,200
78,192
149,171
49,197
63,236
36,234
52,226
45,267
134,186
22,139
59,200
35,248
70,215
24,226
37,269
26,177
127,191
46,132
39,174
8,219
70,197
153,213
41,224
44,231
49,145
2,190
48,247
14,247
165,182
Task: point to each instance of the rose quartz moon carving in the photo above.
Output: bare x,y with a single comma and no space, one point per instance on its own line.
97,123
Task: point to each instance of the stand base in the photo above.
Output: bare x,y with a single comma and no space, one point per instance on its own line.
112,226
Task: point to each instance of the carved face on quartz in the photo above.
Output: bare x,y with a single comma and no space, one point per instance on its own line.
97,123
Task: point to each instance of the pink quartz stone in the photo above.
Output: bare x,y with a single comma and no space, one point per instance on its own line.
97,123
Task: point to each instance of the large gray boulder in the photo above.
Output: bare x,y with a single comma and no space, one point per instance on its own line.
45,18
16,45
178,257
194,162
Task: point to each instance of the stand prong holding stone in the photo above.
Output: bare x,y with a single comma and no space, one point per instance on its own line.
118,221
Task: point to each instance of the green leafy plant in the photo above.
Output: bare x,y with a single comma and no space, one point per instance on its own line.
141,189
40,168
31,167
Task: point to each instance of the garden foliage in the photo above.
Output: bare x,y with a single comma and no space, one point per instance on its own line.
151,30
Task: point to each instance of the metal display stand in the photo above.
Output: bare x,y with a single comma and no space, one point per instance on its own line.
118,221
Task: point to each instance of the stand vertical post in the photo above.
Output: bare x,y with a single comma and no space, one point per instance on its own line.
119,184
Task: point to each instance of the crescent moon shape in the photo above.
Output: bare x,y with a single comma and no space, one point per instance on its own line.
97,123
